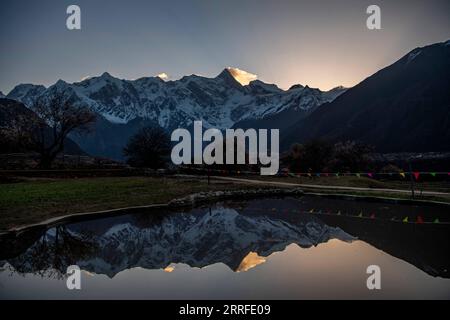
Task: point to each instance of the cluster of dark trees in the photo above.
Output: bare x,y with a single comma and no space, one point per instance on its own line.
323,156
150,147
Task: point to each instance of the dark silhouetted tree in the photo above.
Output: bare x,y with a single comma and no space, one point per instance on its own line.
46,131
149,147
311,156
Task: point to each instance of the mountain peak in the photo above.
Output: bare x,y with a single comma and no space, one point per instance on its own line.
60,83
258,86
106,75
225,74
241,76
227,77
296,86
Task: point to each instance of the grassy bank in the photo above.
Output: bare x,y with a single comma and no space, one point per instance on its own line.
36,200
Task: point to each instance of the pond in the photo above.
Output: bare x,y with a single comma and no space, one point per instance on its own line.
281,248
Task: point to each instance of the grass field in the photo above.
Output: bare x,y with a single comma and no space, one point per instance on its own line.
40,199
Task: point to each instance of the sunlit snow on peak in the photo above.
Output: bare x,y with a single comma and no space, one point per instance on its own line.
163,76
243,77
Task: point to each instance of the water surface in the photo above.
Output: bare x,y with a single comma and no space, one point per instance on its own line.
288,248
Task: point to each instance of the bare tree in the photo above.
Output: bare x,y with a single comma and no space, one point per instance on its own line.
46,133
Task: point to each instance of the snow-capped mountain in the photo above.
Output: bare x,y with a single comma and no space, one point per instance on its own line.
219,102
124,106
1,95
201,238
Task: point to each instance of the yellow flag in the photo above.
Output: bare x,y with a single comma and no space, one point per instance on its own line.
405,219
402,174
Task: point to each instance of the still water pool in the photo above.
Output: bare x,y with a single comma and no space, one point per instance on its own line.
280,248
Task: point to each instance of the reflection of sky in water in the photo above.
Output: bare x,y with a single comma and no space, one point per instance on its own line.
252,255
331,270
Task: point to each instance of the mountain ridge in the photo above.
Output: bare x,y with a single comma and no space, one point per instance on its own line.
127,105
99,91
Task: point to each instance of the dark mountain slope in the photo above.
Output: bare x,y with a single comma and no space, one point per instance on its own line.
403,107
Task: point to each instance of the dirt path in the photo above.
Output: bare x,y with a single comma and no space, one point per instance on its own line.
325,187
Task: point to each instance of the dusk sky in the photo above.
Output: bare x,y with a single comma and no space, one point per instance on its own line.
317,43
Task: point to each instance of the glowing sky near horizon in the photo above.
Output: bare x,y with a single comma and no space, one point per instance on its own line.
317,43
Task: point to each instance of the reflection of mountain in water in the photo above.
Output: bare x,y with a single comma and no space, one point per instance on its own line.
238,234
200,238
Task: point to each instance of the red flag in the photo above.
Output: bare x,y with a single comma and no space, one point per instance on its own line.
372,216
419,219
370,174
416,175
